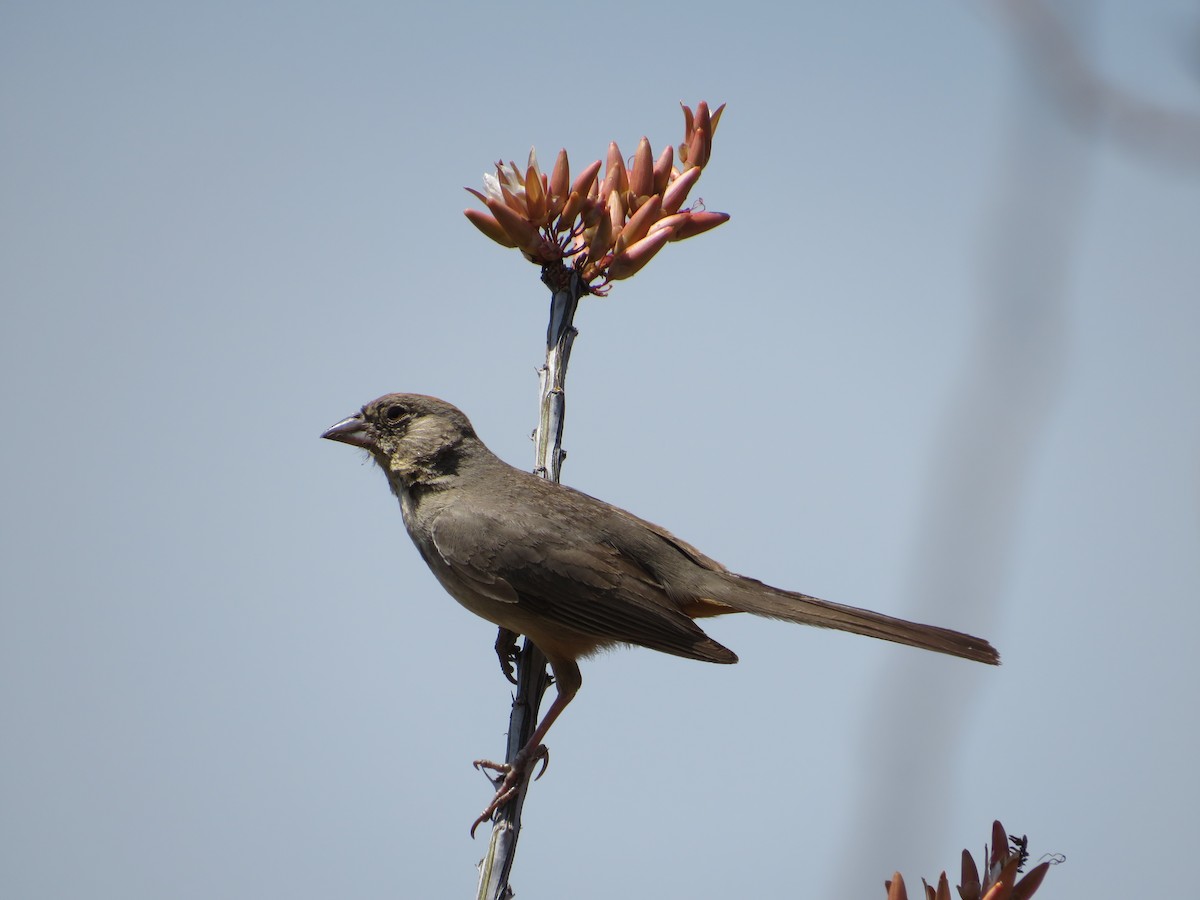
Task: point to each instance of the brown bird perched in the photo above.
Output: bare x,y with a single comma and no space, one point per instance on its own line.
572,573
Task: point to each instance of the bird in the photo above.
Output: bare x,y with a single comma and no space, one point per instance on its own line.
572,573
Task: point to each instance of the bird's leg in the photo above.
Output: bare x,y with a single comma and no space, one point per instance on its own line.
568,680
507,650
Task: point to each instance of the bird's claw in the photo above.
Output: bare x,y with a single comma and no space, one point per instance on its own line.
507,785
498,801
502,768
507,668
508,653
543,754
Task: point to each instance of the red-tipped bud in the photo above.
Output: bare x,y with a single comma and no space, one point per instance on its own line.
970,887
699,148
678,190
698,130
639,223
698,223
687,121
641,176
895,888
999,845
616,164
587,179
716,118
566,218
616,212
558,187
1031,882
601,241
535,197
518,228
489,226
612,181
560,178
631,261
670,222
662,169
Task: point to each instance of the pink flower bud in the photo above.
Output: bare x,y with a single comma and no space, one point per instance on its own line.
560,178
639,223
641,176
678,190
488,226
632,260
518,228
587,178
662,169
699,222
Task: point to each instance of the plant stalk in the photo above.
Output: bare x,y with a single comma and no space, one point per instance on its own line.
533,677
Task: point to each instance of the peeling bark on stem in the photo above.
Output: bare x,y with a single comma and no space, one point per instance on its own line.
532,675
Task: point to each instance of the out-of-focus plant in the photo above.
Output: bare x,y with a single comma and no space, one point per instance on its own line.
605,229
999,882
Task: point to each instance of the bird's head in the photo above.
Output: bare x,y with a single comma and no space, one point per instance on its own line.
409,435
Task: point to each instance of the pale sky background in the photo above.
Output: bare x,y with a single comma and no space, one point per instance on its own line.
943,362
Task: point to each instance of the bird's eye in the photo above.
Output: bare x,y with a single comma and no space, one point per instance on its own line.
394,412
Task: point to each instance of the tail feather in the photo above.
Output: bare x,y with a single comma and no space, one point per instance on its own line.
747,595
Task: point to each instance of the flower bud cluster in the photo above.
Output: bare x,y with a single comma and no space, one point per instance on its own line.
607,228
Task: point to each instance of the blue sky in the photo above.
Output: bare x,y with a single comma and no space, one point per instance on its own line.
942,362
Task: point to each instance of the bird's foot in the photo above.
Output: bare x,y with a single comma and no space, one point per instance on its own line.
508,780
508,652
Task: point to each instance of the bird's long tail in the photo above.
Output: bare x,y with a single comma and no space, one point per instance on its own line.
747,595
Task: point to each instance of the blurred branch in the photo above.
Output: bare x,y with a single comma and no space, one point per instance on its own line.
1091,103
992,426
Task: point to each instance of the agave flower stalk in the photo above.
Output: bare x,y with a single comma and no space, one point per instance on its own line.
585,234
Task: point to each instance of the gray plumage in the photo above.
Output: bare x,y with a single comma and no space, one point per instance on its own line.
574,573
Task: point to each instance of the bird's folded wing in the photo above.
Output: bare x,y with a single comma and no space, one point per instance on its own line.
586,586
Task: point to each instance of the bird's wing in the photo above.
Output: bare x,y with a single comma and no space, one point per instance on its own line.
585,586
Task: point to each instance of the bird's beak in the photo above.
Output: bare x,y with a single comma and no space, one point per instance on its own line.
351,431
